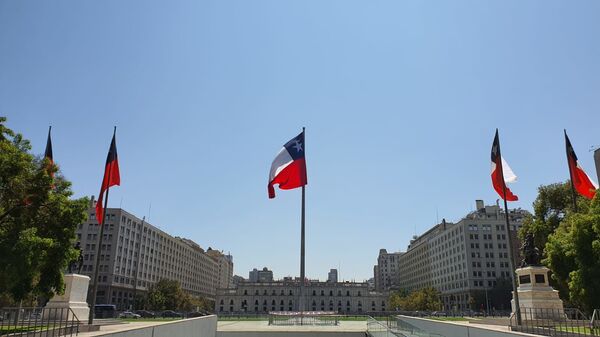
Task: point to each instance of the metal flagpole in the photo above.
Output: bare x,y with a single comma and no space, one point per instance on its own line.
96,267
302,249
510,243
573,194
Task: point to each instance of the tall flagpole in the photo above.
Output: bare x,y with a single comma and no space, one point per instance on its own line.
97,265
510,243
573,194
302,249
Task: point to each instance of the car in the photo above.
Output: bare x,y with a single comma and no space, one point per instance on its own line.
439,314
145,313
129,314
171,313
196,314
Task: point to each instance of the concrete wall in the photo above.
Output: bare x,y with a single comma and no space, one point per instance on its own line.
290,334
449,329
194,327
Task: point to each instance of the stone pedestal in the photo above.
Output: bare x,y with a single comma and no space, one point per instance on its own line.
537,299
75,296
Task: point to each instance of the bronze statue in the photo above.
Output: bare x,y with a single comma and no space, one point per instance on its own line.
76,264
531,255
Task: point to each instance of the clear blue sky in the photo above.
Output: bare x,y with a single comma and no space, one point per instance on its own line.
400,100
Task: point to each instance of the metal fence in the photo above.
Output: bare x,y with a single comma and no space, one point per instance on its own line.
295,318
38,322
556,322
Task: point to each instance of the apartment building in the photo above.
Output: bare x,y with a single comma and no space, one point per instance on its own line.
135,255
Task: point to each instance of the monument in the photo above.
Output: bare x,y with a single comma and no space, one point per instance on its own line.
76,290
537,299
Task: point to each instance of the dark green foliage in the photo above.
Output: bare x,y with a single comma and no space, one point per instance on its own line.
427,299
37,221
573,255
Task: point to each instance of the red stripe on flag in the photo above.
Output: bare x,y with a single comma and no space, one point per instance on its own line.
293,176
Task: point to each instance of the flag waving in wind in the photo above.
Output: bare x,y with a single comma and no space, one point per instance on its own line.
289,167
581,182
111,177
48,153
501,173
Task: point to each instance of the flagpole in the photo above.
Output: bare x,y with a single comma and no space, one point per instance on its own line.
97,265
573,194
510,243
302,243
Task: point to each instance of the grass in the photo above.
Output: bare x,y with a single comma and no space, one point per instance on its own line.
581,329
158,319
7,330
448,318
241,318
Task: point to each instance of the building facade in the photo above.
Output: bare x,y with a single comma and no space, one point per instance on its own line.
264,275
135,255
342,297
463,258
332,276
225,278
385,272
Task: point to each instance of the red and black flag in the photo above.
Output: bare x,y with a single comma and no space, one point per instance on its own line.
48,153
111,177
580,181
501,173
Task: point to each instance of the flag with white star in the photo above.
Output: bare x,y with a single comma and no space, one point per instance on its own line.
288,169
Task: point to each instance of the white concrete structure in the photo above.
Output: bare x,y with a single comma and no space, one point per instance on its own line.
536,296
193,327
76,290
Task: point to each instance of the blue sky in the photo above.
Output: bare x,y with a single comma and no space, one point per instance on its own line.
400,100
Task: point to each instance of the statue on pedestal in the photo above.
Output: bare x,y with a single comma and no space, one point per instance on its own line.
75,265
531,255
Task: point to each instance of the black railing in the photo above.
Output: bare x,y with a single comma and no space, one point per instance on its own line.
555,322
38,322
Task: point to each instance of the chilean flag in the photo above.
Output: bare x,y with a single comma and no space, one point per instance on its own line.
289,167
501,172
111,177
581,181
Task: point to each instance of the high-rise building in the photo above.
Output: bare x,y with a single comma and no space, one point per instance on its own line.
264,275
135,255
225,279
385,272
462,258
332,276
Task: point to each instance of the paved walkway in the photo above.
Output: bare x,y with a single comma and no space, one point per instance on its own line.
253,326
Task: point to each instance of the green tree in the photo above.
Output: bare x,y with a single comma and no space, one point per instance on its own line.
37,221
573,255
168,295
427,299
550,207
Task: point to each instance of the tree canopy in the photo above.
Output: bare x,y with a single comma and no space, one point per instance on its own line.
573,255
168,295
38,219
427,299
550,207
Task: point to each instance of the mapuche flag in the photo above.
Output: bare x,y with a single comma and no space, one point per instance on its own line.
111,177
501,172
289,167
581,181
